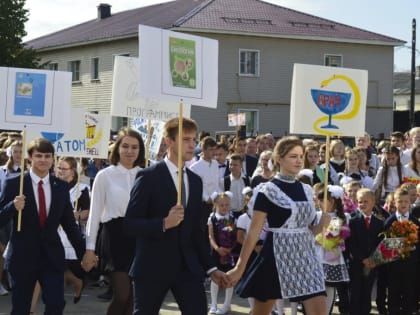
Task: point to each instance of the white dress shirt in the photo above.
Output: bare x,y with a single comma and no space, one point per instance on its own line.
209,173
109,199
46,186
401,217
393,181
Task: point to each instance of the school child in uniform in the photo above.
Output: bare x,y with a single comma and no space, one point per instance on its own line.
402,273
364,238
222,236
331,247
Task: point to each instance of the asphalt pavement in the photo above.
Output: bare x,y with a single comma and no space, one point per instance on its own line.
91,305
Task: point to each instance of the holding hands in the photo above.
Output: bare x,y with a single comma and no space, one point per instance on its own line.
89,261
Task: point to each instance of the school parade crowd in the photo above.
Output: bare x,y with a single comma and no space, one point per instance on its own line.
276,221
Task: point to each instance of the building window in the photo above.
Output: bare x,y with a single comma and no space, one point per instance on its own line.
251,121
94,68
53,66
74,68
249,62
333,60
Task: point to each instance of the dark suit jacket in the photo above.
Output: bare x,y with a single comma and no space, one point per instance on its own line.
34,248
169,252
250,164
362,242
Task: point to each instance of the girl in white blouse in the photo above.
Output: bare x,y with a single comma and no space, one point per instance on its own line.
110,195
390,175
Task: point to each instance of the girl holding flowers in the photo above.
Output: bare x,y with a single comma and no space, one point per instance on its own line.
331,247
222,236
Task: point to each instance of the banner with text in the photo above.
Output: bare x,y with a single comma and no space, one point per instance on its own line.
126,101
88,136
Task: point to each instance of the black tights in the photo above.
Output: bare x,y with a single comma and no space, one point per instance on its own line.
122,294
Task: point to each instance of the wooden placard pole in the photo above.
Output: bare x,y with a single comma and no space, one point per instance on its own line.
149,135
327,169
22,173
180,162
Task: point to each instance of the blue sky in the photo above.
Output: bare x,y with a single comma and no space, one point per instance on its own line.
388,17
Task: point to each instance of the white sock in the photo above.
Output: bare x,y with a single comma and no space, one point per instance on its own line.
279,306
228,298
293,308
214,289
251,302
330,297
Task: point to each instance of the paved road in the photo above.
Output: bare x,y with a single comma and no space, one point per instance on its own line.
91,305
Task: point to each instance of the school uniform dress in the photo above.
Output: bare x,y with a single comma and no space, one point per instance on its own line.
81,194
110,196
224,233
288,266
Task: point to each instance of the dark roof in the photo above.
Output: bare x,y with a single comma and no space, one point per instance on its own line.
402,83
254,17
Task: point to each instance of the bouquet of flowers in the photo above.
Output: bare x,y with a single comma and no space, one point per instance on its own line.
399,241
349,205
412,180
333,238
227,239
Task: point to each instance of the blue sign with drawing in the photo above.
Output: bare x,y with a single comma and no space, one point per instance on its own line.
30,94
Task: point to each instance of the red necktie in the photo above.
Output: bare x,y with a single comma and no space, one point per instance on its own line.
367,222
42,207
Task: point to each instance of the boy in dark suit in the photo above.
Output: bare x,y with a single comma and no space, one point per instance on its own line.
36,252
364,238
172,251
402,273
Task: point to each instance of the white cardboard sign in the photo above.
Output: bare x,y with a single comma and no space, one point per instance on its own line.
328,100
178,67
126,100
34,98
88,136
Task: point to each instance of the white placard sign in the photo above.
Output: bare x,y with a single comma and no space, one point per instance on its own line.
328,100
176,66
88,136
34,98
126,101
157,126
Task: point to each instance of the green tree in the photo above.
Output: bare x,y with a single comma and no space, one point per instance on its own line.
13,52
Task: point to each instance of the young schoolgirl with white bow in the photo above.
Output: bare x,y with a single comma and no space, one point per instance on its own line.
222,236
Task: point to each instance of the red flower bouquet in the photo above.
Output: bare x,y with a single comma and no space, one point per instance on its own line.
399,241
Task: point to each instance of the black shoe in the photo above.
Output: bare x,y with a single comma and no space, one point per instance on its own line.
77,298
107,296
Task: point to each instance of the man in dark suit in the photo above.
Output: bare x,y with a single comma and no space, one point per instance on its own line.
36,253
364,238
249,163
172,251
